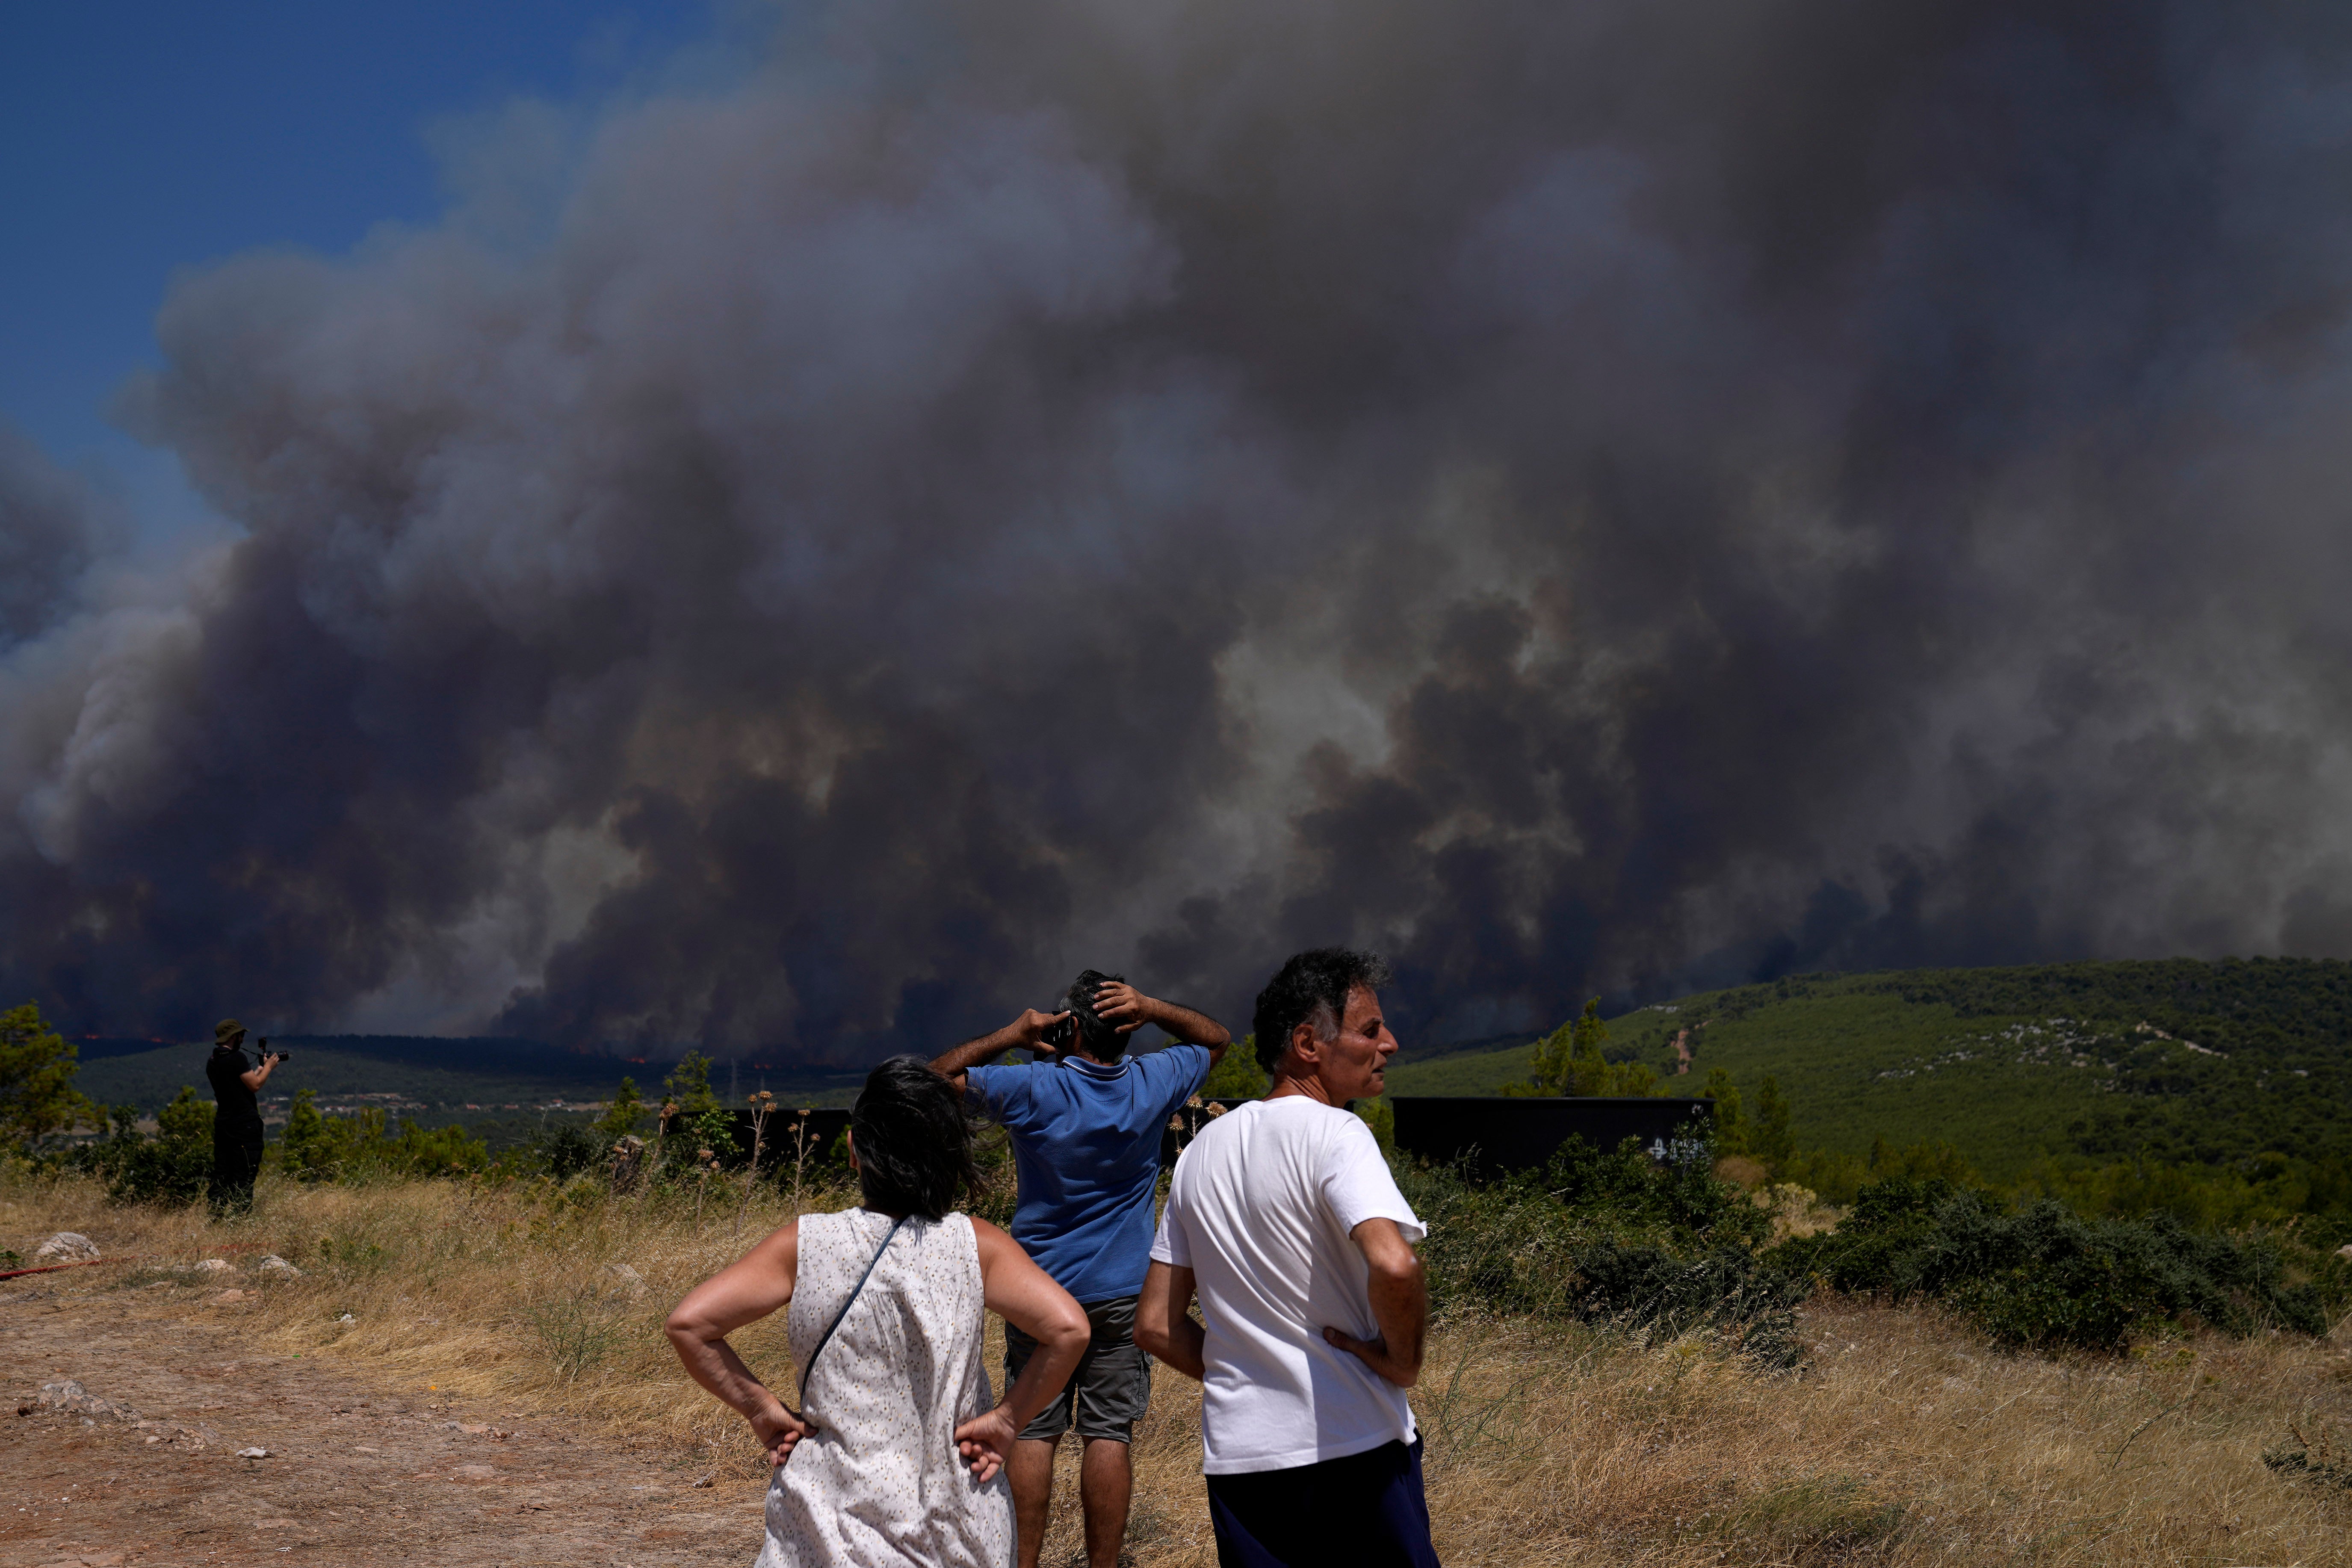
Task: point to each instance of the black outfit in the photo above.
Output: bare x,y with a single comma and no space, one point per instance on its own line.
237,1130
1367,1511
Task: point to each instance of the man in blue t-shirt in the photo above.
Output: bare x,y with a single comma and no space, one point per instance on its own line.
1086,1124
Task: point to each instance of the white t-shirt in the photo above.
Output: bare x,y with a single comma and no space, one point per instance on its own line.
1260,1210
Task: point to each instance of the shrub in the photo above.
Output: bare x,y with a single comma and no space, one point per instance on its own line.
1652,1289
562,1152
1680,1200
2323,1463
366,1145
579,1327
172,1168
1611,1240
2043,1275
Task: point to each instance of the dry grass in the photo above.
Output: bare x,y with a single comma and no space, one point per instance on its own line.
1903,1440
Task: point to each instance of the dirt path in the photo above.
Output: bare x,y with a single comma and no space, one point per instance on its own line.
354,1474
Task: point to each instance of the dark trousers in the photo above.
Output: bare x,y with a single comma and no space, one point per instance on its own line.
1367,1511
237,1161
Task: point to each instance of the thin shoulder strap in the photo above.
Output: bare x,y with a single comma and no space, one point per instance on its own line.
809,1371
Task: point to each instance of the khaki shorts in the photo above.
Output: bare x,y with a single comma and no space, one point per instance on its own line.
1112,1387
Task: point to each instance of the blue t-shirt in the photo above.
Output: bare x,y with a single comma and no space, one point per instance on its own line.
1085,1145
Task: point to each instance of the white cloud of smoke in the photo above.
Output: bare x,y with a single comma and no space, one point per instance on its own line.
1573,497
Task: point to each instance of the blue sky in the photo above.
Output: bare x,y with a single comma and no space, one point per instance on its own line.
137,138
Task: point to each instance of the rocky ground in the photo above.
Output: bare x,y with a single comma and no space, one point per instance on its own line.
146,1463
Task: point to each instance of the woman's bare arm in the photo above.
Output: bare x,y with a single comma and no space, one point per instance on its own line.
1025,1296
742,1294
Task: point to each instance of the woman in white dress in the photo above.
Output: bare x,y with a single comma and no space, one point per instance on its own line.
895,1456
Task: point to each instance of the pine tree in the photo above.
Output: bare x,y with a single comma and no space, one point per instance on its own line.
1588,1069
306,1152
38,1096
700,1121
1554,1061
689,1086
1731,1129
622,1116
1570,1060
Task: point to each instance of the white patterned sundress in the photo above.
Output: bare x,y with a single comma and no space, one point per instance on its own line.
879,1484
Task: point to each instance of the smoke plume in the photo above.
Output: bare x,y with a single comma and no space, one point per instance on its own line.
1576,496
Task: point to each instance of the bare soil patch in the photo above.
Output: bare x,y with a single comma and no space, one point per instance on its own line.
354,1473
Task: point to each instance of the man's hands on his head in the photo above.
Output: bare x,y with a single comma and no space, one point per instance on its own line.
1029,1029
1033,1028
1117,1003
1127,1009
1400,1300
1122,1006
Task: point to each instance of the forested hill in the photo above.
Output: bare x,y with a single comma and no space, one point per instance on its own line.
446,1077
2175,1061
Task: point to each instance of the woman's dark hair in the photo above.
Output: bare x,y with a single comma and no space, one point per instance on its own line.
1311,986
914,1146
1099,1039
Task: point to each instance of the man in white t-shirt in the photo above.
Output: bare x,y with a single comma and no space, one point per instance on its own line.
1284,1220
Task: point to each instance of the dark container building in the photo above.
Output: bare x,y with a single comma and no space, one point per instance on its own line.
1495,1135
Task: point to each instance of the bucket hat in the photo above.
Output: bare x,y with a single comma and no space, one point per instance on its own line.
227,1032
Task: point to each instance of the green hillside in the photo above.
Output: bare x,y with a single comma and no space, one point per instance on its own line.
1463,1072
2175,1061
434,1080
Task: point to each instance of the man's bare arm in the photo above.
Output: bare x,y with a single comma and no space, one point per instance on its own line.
1029,1029
1399,1298
1116,1001
1163,1320
254,1078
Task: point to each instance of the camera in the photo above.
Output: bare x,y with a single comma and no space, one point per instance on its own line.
282,1056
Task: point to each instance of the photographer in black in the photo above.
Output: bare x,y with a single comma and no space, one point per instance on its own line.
236,1115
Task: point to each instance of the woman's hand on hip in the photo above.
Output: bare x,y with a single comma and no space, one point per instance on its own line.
984,1441
778,1431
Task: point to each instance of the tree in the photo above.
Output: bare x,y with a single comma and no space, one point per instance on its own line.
1730,1126
699,1121
1555,1061
622,1116
1568,1060
307,1152
1238,1077
689,1086
38,1096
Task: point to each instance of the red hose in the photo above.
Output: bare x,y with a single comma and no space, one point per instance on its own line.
53,1267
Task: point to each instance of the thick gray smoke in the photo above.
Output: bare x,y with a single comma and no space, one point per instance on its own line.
1574,496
